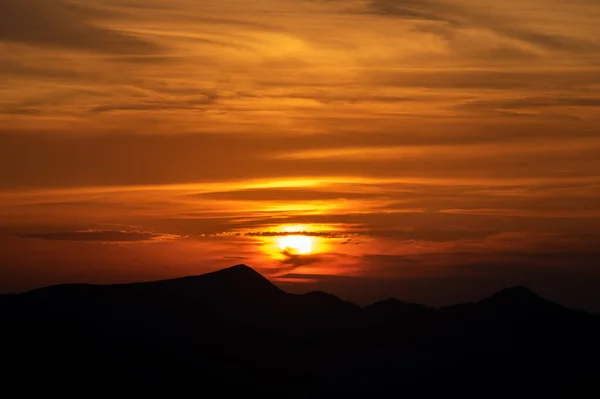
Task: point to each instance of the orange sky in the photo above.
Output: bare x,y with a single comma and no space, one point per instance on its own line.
431,149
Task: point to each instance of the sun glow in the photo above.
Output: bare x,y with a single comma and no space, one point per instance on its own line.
285,241
296,245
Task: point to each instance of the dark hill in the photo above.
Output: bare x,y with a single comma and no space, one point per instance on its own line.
233,332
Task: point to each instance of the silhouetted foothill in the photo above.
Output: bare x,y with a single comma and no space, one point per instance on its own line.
235,332
517,296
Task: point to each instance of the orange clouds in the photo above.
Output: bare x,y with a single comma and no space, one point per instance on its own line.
421,132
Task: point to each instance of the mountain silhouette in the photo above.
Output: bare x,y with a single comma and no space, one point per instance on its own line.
234,332
520,297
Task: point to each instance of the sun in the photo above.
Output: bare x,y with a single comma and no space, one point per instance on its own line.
296,245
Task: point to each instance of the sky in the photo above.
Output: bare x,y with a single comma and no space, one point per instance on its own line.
431,150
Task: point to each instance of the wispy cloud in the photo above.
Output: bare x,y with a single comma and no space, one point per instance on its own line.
324,234
103,236
453,18
61,23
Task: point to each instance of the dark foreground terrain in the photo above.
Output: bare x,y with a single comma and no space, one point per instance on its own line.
233,333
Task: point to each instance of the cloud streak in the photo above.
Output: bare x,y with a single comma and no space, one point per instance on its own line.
59,23
324,234
102,236
454,18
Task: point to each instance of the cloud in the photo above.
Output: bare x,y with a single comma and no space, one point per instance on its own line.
426,10
456,18
499,264
283,194
102,236
293,261
323,234
180,104
21,111
320,277
333,98
58,23
501,80
528,103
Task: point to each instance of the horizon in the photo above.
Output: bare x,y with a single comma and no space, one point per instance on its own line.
428,150
240,266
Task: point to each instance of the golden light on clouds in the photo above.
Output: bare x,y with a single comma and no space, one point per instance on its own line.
307,138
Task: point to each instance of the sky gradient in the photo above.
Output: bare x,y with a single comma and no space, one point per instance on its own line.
432,150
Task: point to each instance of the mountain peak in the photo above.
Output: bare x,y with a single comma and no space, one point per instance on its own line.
387,304
237,271
518,290
239,274
516,296
240,268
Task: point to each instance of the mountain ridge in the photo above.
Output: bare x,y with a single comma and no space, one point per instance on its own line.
235,332
234,275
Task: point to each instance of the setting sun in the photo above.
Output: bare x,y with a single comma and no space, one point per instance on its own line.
297,245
